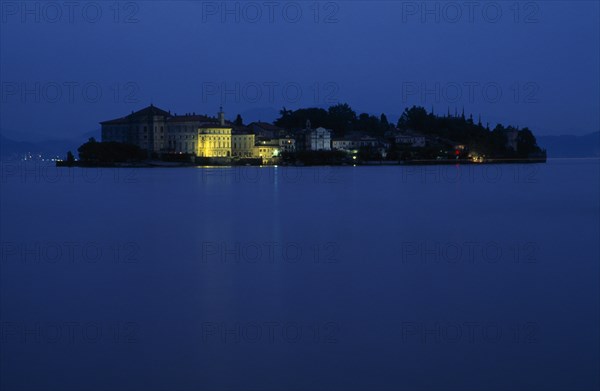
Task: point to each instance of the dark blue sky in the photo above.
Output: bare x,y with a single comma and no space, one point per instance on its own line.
65,68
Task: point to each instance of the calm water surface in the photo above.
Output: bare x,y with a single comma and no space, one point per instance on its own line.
352,278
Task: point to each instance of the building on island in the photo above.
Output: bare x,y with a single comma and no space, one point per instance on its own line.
182,132
243,144
146,128
214,141
266,130
158,131
287,144
354,141
319,139
411,139
309,139
268,150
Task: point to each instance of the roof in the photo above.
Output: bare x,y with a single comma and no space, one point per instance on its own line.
408,134
356,139
192,118
242,130
213,125
150,111
201,121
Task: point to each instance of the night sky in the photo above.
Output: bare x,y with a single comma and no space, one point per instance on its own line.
65,68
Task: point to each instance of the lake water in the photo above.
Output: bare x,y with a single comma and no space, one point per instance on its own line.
350,278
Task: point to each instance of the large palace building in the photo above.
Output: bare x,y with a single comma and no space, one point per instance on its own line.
158,131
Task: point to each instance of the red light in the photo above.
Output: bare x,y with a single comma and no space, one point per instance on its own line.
457,152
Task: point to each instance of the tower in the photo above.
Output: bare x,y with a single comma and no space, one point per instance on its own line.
221,116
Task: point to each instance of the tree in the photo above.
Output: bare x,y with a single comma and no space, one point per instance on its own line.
70,158
239,121
384,121
342,110
370,124
297,119
526,143
341,117
413,118
285,112
109,152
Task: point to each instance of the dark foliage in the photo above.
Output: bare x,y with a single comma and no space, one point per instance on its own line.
340,118
110,152
464,131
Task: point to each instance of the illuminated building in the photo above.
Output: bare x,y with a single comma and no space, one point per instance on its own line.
243,145
287,144
319,139
214,142
310,139
182,132
268,150
266,130
158,131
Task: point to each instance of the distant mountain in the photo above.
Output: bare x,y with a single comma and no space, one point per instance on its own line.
266,114
46,149
97,134
571,146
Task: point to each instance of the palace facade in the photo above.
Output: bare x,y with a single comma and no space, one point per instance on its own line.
160,132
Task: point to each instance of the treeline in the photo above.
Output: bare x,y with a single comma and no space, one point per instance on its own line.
473,135
341,118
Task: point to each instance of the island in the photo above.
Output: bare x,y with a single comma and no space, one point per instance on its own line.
310,136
